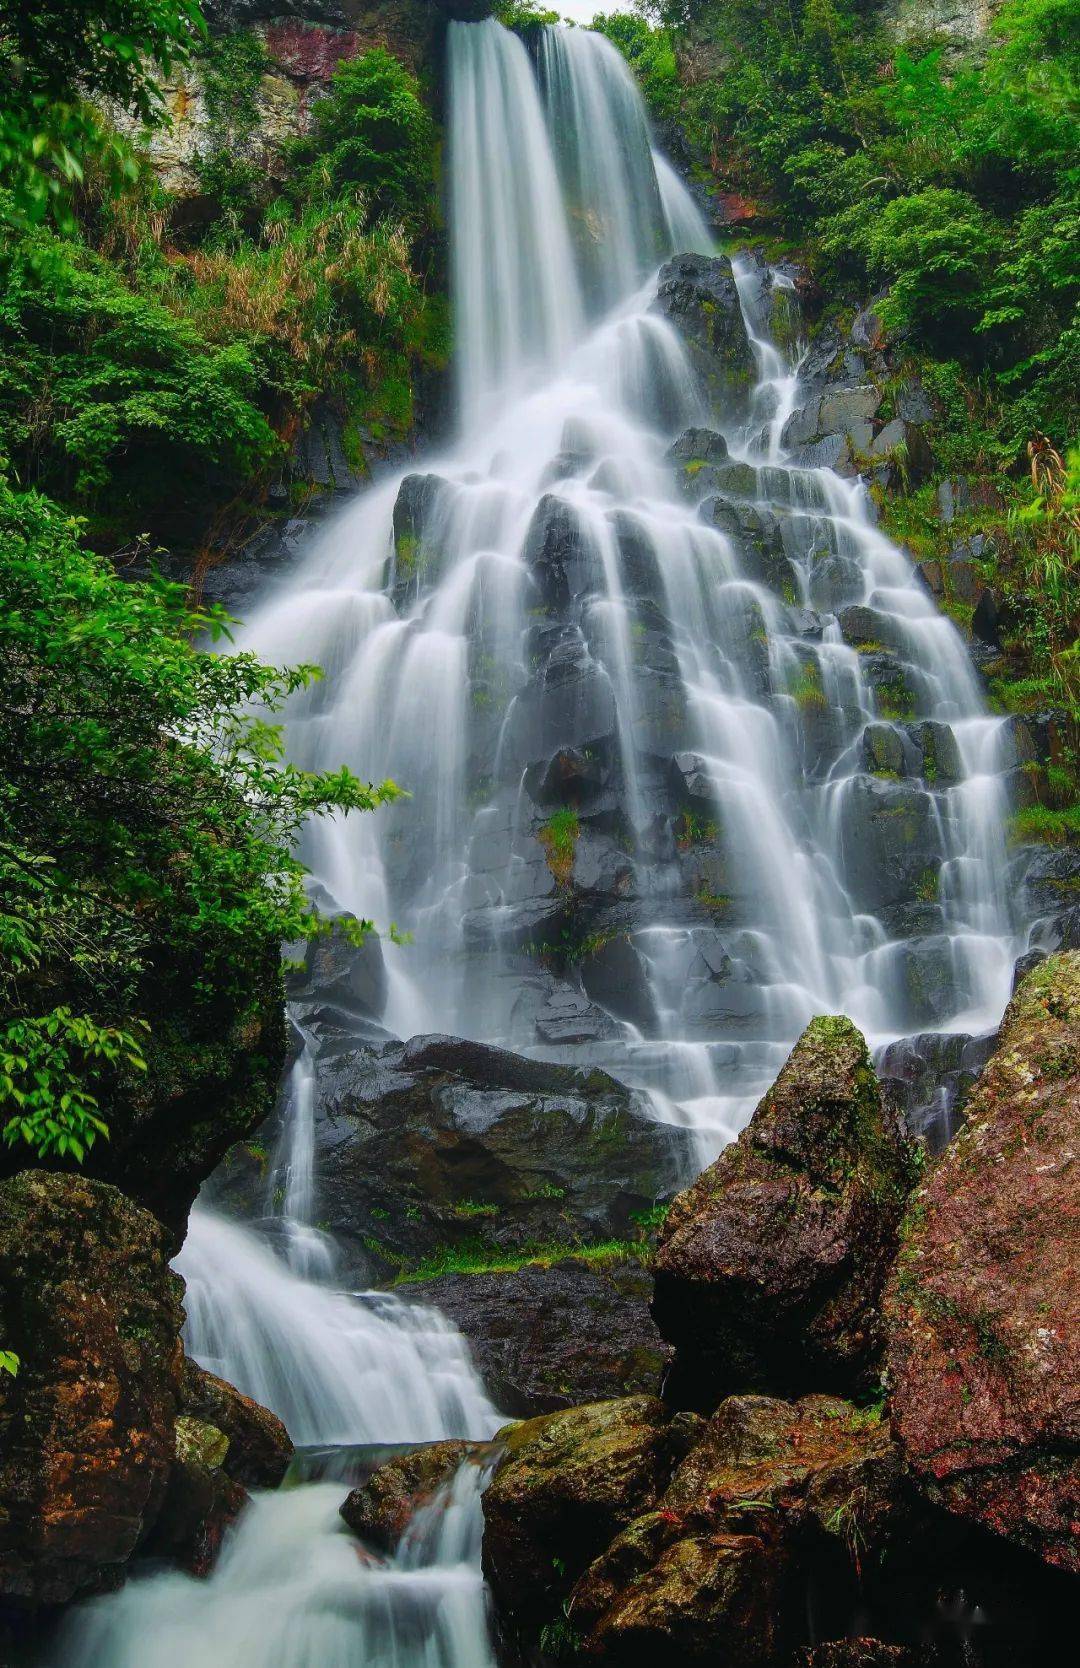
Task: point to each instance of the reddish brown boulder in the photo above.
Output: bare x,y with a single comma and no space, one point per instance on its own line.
771,1265
380,1509
983,1308
91,1308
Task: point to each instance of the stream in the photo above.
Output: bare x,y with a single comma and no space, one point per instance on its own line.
541,602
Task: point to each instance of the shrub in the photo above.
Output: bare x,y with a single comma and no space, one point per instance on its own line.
371,134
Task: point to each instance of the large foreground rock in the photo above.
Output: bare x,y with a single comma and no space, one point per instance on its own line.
771,1494
771,1265
549,1337
983,1309
440,1142
568,1483
89,1304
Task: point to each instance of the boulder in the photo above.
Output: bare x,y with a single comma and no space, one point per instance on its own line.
697,293
439,1143
770,1266
983,1307
379,1511
548,1337
90,1306
771,1492
890,837
258,1448
756,537
566,1485
201,1499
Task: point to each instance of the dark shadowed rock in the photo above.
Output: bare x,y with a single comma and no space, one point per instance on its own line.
983,1307
201,1499
698,294
771,1265
865,1653
440,1142
90,1306
568,1483
544,1338
771,1490
379,1510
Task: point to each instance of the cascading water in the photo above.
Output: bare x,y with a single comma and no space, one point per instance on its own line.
546,624
544,599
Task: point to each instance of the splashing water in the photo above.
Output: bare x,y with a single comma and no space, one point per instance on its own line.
294,1590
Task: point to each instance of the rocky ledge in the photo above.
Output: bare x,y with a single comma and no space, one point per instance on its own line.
813,1531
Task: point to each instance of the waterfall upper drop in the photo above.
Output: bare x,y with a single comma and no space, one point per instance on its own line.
556,208
765,752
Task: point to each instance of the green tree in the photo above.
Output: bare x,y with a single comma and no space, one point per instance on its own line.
148,823
57,55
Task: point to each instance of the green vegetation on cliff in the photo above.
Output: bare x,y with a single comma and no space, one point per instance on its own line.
148,819
938,179
157,355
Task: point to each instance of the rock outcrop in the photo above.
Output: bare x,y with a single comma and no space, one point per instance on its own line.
91,1308
112,1444
983,1307
697,294
545,1337
379,1510
770,1491
770,1266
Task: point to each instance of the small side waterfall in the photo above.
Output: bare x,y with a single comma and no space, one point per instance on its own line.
336,1368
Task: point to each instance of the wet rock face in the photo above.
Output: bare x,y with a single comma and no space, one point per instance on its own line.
544,1338
770,1490
697,294
771,1265
89,1304
983,1307
380,1509
201,1499
440,1142
568,1483
258,1449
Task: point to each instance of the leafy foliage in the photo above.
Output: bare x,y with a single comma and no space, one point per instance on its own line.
951,179
147,826
55,55
369,134
151,382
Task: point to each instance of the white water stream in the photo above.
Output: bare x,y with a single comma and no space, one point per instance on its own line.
449,667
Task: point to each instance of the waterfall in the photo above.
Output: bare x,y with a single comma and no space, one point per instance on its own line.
336,1368
294,1590
541,605
544,586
